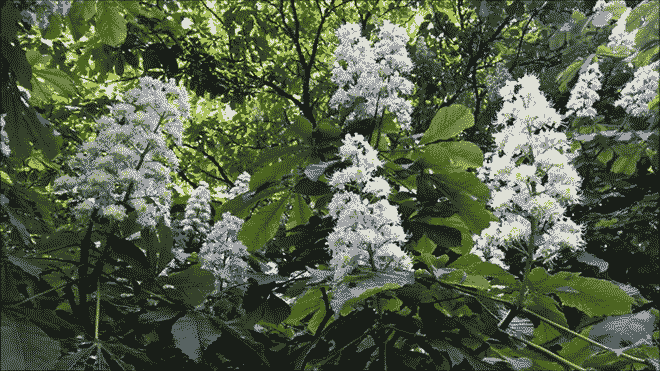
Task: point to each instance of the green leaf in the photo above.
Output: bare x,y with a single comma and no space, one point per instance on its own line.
653,105
310,302
437,155
58,240
457,223
316,320
605,156
526,359
18,224
466,154
630,329
36,58
431,261
300,212
20,341
86,9
193,333
20,65
192,286
327,130
625,164
288,332
646,10
390,304
474,281
310,187
389,126
568,74
367,286
158,315
577,350
54,29
590,295
40,206
447,123
471,264
425,245
275,310
129,225
243,335
645,57
557,40
262,226
132,254
468,194
78,16
54,79
241,204
6,179
547,307
110,24
617,8
159,250
459,181
273,172
270,155
618,51
301,127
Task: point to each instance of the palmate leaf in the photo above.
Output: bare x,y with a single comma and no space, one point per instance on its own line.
300,212
310,302
590,295
368,286
471,264
193,333
273,172
262,226
54,80
617,331
455,230
25,346
192,286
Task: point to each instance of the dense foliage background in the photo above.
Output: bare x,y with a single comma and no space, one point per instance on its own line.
258,77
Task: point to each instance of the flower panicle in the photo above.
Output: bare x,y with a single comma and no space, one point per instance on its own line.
366,234
529,150
129,161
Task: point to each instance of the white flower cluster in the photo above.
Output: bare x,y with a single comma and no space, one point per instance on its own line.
638,93
619,36
600,5
364,162
195,224
584,93
152,99
43,9
127,157
223,254
366,234
372,73
4,139
497,80
518,193
241,185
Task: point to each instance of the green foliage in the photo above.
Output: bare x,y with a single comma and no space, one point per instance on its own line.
592,296
261,59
